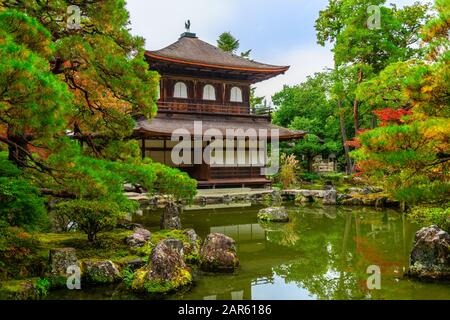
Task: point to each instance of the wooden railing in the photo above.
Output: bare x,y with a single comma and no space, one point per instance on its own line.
209,108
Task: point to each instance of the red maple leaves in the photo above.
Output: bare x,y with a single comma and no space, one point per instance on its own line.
390,116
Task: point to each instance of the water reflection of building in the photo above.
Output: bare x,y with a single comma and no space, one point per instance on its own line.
248,237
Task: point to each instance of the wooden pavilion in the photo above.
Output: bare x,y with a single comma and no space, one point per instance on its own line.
200,82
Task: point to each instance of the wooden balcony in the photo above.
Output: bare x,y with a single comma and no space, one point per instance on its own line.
208,108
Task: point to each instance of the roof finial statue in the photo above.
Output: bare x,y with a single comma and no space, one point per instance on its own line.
187,25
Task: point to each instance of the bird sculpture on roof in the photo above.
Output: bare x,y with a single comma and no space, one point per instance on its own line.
187,25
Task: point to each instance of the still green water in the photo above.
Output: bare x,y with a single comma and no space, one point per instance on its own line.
322,253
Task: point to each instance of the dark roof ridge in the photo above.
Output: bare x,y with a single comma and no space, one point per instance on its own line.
196,51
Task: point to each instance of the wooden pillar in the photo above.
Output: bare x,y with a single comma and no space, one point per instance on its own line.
224,93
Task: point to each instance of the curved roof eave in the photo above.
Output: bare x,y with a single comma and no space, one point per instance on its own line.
216,66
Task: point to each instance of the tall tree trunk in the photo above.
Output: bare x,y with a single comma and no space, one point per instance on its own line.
348,161
355,104
17,150
310,163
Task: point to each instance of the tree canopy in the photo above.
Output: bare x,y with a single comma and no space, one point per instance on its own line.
69,98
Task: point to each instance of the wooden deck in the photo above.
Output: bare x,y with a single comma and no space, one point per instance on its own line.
212,183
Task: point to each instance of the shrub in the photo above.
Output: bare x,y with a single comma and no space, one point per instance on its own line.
91,217
427,216
18,253
42,287
289,165
309,176
334,177
21,204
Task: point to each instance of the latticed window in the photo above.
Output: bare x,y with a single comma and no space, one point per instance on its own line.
236,94
209,93
180,90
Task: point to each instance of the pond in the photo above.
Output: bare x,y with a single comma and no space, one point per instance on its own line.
322,253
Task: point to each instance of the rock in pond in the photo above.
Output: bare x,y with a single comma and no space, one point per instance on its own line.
170,218
218,254
100,272
139,238
430,256
60,259
273,214
329,197
165,271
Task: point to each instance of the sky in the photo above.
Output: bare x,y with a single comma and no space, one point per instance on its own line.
279,32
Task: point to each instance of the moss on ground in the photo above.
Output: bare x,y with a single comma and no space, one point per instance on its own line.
110,245
30,289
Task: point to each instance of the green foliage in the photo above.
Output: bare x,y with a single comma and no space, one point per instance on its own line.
410,156
91,83
128,277
91,217
427,216
21,204
33,101
42,286
18,253
335,177
406,159
173,181
308,107
361,52
227,42
309,176
345,24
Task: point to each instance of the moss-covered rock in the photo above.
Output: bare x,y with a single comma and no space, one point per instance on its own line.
218,254
165,271
100,272
273,214
192,246
139,238
430,256
170,218
59,260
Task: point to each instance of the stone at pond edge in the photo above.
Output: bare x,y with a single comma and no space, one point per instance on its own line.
165,271
170,218
329,197
139,238
218,254
100,272
60,259
430,256
274,214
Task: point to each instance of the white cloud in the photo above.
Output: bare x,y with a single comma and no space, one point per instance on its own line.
304,61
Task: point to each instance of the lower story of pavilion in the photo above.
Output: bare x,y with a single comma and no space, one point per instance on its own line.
244,169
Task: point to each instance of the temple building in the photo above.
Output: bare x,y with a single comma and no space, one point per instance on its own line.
202,84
